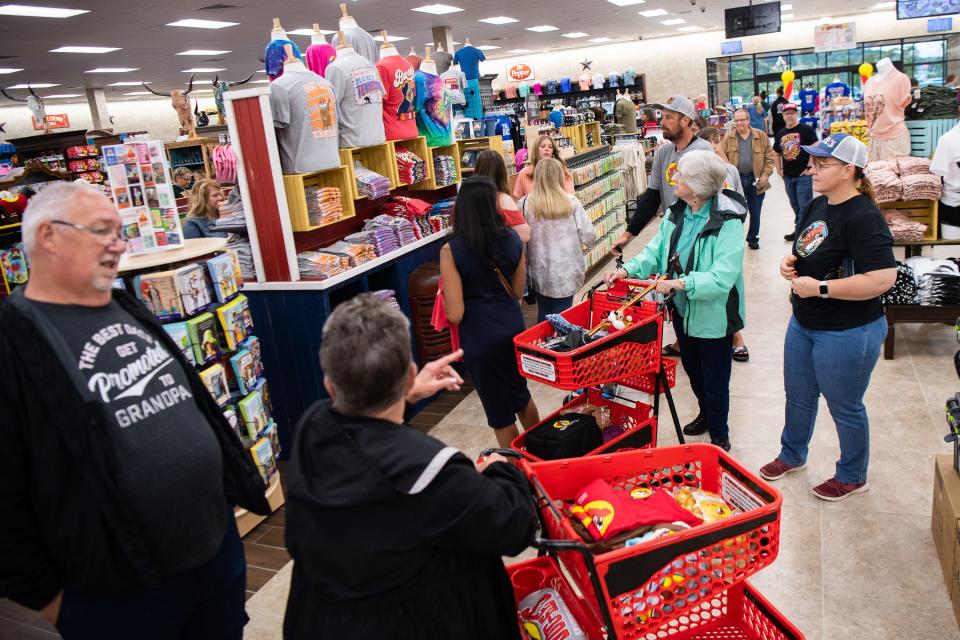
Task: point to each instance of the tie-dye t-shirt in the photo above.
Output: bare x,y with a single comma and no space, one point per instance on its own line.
434,108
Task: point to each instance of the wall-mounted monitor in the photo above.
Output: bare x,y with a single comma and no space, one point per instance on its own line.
907,9
753,20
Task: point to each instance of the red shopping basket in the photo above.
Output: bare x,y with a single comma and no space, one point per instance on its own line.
638,425
647,382
632,351
640,588
544,573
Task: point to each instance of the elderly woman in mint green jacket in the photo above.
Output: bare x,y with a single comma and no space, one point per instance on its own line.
704,229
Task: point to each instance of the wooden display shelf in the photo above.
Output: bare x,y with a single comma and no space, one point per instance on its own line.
418,147
192,249
378,158
205,145
592,128
296,184
451,150
923,211
493,143
577,134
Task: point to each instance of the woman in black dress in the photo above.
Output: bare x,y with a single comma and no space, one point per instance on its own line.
484,272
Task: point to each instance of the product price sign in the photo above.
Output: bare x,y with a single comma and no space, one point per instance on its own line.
141,187
54,121
834,37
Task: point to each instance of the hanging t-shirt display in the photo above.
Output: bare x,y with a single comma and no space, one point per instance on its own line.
443,60
629,77
523,90
510,91
361,42
359,98
474,108
414,61
305,116
565,84
537,89
585,82
809,101
598,81
319,57
469,59
399,101
455,82
614,80
553,87
884,99
836,90
433,110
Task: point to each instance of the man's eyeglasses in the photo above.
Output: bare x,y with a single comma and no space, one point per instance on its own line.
105,235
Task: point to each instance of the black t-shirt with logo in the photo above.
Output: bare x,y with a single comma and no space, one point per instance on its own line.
826,236
787,143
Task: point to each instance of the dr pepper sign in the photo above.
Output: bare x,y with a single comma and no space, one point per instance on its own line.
520,72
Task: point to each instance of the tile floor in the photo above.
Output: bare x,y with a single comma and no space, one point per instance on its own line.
862,569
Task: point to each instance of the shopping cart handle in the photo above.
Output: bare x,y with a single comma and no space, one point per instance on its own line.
546,544
506,453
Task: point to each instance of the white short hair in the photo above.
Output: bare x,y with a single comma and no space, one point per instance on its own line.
703,171
50,203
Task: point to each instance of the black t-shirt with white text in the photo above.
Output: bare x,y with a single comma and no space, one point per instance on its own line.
826,236
169,467
787,142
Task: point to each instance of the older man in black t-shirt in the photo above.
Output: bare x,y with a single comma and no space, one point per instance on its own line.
791,162
120,472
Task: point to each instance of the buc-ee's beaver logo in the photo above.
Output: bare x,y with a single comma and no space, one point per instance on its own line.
561,425
671,173
597,512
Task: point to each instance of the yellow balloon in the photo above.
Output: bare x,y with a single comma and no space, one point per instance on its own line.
866,69
788,76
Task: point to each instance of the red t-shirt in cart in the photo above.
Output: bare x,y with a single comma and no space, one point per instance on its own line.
399,103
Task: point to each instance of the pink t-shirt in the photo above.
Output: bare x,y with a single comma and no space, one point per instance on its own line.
319,56
399,103
884,99
510,91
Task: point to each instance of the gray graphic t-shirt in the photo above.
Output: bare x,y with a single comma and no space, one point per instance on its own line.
662,175
169,465
359,99
305,116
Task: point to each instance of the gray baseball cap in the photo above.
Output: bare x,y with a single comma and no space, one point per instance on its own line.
680,104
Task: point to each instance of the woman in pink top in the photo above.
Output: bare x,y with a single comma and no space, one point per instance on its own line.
545,148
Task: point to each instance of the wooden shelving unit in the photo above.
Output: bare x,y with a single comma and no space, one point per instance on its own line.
451,150
418,147
923,211
181,154
592,129
577,134
379,159
295,187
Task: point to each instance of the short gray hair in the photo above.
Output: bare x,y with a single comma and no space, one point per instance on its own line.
52,202
182,172
703,171
365,355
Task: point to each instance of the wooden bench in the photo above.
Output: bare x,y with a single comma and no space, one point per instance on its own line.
915,313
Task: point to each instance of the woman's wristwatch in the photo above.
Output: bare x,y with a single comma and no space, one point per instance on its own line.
824,290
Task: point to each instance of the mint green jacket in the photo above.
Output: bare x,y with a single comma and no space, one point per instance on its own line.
714,271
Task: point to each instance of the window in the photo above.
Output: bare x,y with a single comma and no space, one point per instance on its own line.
743,89
876,51
809,60
923,52
776,62
741,69
926,74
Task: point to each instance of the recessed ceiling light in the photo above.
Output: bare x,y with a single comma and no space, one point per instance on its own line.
625,3
498,20
198,82
127,83
520,51
689,28
786,7
542,28
202,52
391,38
604,39
4,71
488,47
653,13
308,32
84,49
885,5
138,93
202,70
34,85
38,12
113,70
576,34
63,95
202,24
672,21
437,9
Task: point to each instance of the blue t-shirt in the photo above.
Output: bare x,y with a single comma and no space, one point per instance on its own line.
836,90
469,59
565,84
553,87
629,77
556,117
614,80
808,100
756,119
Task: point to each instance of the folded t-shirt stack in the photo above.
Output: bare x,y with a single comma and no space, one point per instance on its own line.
441,214
319,265
403,229
938,281
356,253
902,228
382,239
886,183
934,103
411,167
904,290
369,183
921,187
445,170
912,166
324,205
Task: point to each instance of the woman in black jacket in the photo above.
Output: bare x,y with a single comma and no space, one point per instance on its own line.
394,535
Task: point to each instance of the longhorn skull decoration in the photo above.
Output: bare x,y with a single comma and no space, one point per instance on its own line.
181,104
202,118
34,104
219,88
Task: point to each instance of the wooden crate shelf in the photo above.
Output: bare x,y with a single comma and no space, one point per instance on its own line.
577,134
378,158
449,150
923,211
418,147
592,128
295,186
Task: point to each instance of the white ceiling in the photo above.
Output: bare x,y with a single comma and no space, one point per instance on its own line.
139,28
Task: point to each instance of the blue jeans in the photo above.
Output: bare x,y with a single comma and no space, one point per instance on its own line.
546,306
708,363
800,192
204,603
754,204
838,365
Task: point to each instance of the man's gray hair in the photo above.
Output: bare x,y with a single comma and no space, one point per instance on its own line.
366,355
704,172
52,202
182,172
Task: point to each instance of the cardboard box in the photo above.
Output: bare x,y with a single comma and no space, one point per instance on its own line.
946,513
955,582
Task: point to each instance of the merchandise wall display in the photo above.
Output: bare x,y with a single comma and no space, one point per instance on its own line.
305,115
434,109
400,98
356,84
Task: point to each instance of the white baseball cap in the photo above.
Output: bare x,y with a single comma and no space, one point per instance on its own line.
842,146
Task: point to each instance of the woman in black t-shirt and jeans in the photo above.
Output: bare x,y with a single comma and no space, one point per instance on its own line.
842,262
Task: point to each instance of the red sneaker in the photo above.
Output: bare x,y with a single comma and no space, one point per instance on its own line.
778,468
834,491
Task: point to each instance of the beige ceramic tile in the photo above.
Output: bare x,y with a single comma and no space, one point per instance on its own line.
847,617
272,597
263,625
